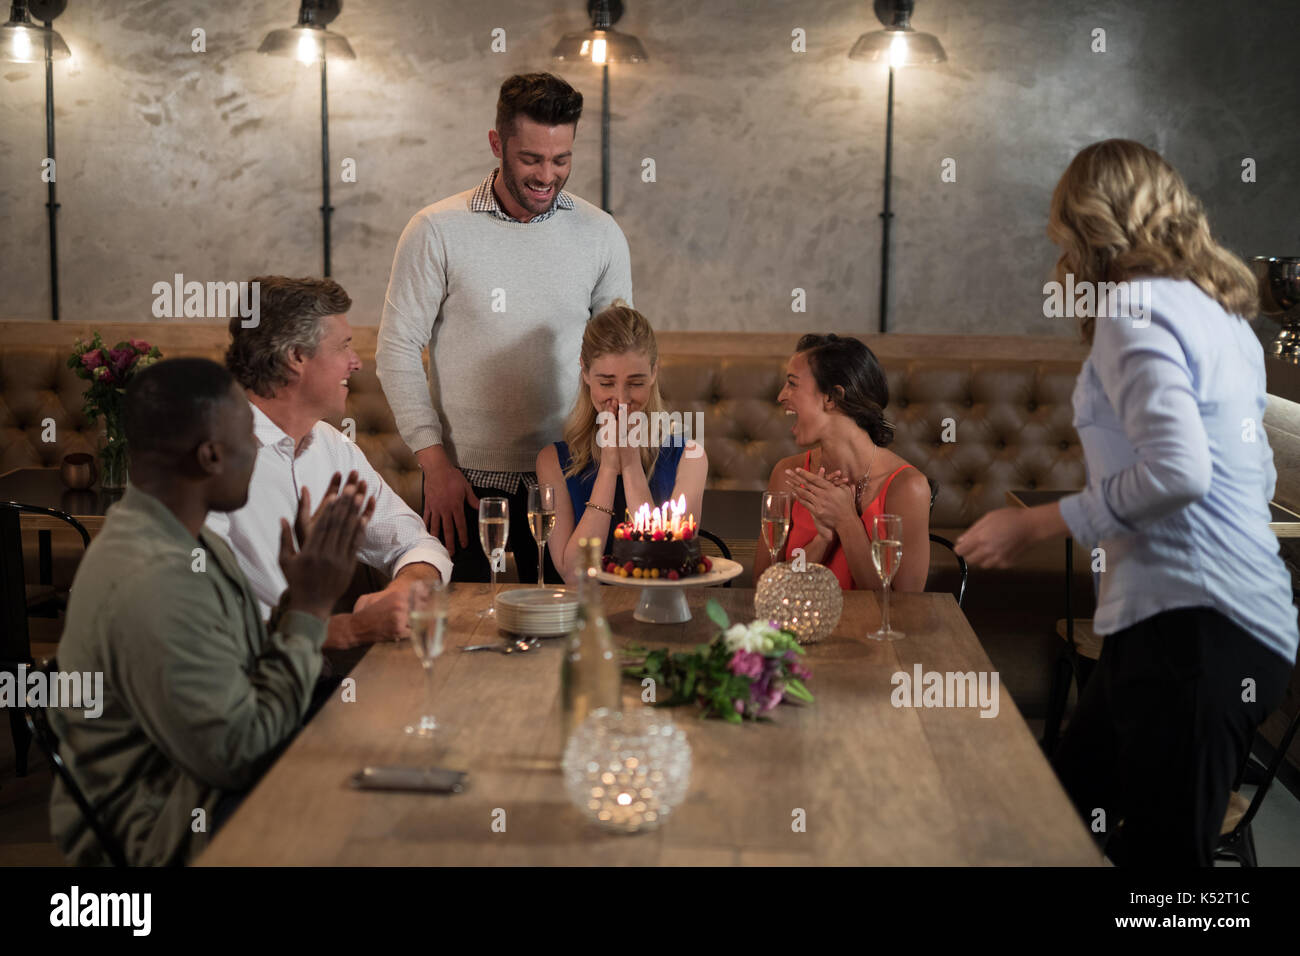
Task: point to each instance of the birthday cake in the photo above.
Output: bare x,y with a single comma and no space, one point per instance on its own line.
659,543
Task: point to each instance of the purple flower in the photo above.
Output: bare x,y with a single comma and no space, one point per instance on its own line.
140,345
122,359
796,669
92,360
766,694
740,706
746,663
768,690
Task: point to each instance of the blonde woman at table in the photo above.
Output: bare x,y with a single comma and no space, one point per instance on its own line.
620,368
1195,604
836,392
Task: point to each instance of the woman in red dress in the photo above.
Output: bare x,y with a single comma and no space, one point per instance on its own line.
836,392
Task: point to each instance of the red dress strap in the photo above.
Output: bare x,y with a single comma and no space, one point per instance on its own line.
884,489
807,460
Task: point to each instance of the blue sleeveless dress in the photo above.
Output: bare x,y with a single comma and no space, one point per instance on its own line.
661,484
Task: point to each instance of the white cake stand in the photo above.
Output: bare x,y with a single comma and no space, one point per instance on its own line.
662,601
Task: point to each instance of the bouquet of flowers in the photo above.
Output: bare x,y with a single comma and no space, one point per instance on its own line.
741,674
108,371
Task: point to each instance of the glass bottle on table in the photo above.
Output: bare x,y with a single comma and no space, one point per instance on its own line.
590,677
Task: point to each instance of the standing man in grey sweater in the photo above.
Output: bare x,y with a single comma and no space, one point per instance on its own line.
499,282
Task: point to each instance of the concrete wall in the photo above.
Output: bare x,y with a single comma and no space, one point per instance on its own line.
768,161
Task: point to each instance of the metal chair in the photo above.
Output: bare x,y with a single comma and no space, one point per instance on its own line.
939,539
1236,842
15,638
719,544
38,724
961,565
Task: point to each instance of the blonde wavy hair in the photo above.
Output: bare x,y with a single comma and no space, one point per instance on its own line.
1121,211
617,330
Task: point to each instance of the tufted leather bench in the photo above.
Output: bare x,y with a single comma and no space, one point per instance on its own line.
1004,401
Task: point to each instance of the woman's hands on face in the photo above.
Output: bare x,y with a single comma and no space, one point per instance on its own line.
619,456
828,499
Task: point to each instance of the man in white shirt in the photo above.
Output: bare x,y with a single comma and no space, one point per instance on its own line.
294,366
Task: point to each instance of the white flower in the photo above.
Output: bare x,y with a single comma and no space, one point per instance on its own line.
736,637
760,636
755,637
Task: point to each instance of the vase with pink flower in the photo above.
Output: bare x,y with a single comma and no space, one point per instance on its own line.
108,370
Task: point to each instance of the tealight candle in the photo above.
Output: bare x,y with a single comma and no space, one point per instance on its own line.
627,771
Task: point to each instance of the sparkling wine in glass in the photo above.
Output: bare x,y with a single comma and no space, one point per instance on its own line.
493,532
775,521
541,519
886,555
427,619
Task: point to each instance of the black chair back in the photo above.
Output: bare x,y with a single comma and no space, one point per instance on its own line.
1239,844
719,544
961,565
39,725
15,635
939,539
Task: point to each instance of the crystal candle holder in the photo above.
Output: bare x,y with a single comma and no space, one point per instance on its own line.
627,771
807,603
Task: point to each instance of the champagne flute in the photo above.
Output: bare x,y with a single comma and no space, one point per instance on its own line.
886,555
775,521
427,618
541,519
493,531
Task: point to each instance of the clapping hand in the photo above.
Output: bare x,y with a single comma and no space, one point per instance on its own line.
829,499
318,571
305,518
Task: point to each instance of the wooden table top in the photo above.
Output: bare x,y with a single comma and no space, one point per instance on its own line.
879,785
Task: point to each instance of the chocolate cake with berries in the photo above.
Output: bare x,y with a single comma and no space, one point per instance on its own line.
657,544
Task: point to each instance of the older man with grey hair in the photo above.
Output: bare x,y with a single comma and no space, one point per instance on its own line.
294,366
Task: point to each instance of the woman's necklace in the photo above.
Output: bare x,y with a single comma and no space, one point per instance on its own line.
862,482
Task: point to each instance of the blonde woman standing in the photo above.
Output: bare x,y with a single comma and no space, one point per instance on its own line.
1195,603
620,367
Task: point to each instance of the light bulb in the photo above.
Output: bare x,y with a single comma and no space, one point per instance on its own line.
598,50
21,46
898,51
308,51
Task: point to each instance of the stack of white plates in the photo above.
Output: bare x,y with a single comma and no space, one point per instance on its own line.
541,612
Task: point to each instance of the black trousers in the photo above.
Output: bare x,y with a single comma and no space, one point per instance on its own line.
1162,731
471,564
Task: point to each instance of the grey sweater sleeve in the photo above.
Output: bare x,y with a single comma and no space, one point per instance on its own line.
416,289
616,281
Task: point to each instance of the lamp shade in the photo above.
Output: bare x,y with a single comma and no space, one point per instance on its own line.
600,46
306,43
904,47
21,41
